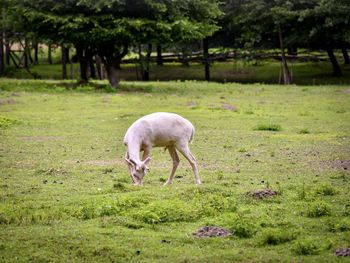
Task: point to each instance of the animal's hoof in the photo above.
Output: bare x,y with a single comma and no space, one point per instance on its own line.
167,183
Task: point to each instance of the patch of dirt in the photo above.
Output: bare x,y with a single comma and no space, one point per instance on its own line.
228,106
42,138
347,91
211,231
261,194
55,171
191,104
341,165
8,101
342,252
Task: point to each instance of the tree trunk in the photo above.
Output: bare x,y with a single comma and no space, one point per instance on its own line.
49,55
2,57
333,60
83,64
26,51
66,53
8,51
36,51
64,63
285,70
92,68
112,74
159,55
99,68
145,62
206,58
112,60
346,56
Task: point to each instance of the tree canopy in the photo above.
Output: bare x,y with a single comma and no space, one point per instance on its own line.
108,28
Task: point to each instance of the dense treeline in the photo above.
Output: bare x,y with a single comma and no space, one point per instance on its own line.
103,32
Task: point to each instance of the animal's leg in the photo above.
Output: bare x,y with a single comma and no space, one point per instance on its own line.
183,148
176,162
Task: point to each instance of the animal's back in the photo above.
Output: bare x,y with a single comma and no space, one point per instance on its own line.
161,129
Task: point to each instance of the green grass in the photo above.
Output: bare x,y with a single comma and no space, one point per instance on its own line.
66,195
304,73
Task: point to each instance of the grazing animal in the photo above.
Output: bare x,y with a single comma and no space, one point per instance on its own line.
160,129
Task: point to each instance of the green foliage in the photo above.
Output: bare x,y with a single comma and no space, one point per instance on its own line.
7,122
307,246
166,211
242,227
318,209
268,127
325,189
304,131
275,236
339,225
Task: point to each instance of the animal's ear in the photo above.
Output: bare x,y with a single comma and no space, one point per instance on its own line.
130,161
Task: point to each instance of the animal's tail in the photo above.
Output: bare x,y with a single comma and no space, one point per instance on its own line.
192,135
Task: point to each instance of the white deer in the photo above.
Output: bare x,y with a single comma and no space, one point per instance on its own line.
160,129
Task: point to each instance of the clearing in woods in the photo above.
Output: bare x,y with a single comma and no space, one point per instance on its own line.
274,161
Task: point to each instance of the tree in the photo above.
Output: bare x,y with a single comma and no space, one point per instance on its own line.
320,24
109,28
327,24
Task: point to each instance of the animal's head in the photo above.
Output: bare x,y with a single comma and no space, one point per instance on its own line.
138,170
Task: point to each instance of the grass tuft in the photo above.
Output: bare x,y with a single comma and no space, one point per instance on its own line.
318,209
277,236
268,127
307,246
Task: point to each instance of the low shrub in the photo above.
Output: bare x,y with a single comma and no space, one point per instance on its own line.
325,189
317,209
268,127
340,225
6,122
304,131
166,211
277,236
307,246
243,227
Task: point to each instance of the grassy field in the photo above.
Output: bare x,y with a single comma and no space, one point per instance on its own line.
66,195
268,71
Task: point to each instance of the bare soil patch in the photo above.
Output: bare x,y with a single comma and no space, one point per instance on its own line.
211,231
8,101
192,104
264,193
228,106
342,252
341,165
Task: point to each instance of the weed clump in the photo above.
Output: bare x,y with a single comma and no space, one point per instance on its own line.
268,127
325,189
339,226
7,123
318,209
167,211
304,131
308,246
243,228
276,237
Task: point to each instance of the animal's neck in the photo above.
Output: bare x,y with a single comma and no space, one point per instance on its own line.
134,147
